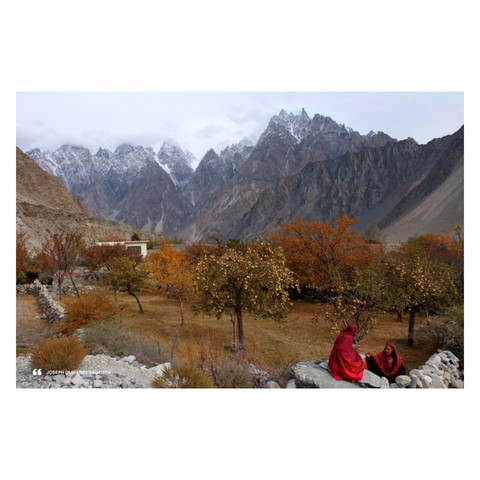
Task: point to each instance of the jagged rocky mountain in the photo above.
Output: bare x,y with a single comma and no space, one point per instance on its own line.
44,206
373,185
300,166
133,185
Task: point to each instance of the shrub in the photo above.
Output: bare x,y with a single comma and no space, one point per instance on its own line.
65,353
147,351
447,329
182,376
109,337
95,305
232,374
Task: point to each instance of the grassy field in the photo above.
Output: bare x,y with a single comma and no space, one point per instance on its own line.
304,335
30,328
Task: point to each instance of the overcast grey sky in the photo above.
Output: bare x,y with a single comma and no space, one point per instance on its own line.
199,121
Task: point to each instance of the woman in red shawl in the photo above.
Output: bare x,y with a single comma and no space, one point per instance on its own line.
387,363
344,362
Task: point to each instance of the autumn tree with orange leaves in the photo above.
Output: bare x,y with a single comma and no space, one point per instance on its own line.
60,254
171,274
323,255
101,256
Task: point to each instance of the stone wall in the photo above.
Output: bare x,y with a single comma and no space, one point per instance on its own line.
441,370
53,311
67,289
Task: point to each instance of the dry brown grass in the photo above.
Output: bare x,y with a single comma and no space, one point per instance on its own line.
29,329
304,335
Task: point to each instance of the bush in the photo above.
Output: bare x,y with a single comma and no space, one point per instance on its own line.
65,353
107,337
182,376
447,329
232,374
110,337
148,352
93,306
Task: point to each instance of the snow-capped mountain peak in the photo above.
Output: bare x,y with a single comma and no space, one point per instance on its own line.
176,162
296,124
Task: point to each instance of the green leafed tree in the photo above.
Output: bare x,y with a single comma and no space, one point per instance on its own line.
416,283
125,274
254,281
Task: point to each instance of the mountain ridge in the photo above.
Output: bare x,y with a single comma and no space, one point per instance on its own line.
314,167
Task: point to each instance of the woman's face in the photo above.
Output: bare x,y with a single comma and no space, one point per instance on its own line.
388,350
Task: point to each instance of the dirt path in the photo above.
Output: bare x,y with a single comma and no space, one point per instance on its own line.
29,328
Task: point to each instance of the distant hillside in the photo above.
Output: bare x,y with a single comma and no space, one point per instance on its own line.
45,207
441,210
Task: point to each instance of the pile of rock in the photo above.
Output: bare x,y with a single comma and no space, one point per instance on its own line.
96,371
102,371
67,289
441,370
54,312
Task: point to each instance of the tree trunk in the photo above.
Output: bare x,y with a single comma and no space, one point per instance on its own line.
234,331
411,327
138,301
60,287
238,315
177,336
182,318
74,286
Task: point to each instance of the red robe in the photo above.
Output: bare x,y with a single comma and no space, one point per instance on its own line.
344,362
390,370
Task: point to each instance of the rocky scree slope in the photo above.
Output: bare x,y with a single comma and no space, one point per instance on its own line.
374,185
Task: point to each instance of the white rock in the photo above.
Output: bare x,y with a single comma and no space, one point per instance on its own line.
129,359
97,384
369,378
291,384
77,380
66,381
415,381
384,383
403,381
426,381
159,369
272,384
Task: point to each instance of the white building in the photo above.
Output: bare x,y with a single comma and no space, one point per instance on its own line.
138,246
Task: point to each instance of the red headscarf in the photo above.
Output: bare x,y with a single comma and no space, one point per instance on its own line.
344,362
381,359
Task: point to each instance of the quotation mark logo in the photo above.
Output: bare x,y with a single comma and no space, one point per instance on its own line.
37,371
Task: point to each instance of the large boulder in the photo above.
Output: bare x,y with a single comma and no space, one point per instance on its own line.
314,374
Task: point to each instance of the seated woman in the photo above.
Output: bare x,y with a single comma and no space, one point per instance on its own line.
387,363
344,362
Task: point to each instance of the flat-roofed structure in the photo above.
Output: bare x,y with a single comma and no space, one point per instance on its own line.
138,246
